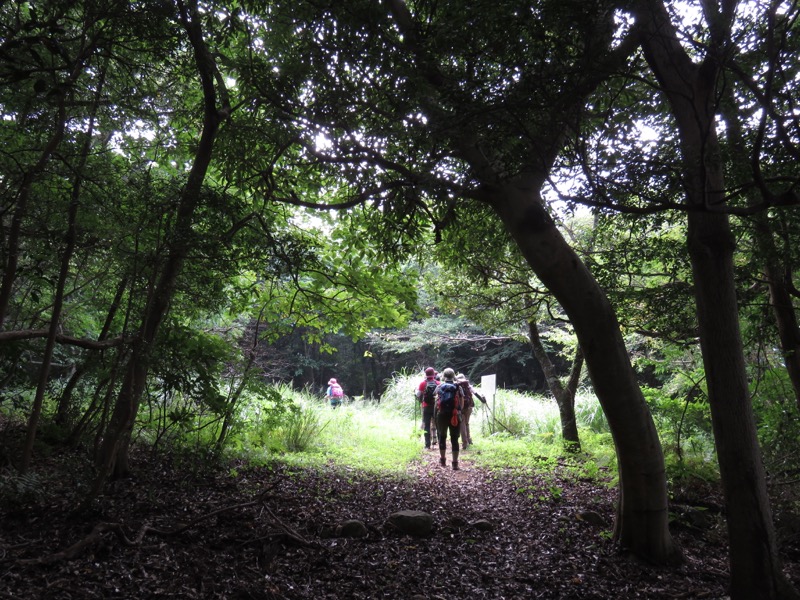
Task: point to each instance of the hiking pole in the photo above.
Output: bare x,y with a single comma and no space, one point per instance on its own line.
494,416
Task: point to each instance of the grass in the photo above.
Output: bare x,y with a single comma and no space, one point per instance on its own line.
369,436
512,431
303,429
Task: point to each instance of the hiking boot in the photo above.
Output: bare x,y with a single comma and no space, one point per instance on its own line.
442,461
455,465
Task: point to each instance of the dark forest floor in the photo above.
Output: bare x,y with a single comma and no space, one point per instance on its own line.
269,533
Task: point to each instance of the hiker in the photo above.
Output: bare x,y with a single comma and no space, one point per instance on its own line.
426,395
466,412
334,393
449,403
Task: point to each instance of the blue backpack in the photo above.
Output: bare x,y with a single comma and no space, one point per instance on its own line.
447,396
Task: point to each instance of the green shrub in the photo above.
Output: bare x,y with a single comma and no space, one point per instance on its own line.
21,490
519,431
683,423
778,421
303,425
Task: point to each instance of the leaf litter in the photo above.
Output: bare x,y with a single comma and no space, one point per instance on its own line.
272,532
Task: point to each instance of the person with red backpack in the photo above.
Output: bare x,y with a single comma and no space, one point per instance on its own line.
334,393
469,404
449,404
426,395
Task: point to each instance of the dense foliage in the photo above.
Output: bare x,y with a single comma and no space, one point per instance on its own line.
200,200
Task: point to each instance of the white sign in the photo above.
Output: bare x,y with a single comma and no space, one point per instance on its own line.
488,385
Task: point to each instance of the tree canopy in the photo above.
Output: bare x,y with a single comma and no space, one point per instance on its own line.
181,183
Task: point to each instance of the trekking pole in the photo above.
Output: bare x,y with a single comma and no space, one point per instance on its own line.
495,421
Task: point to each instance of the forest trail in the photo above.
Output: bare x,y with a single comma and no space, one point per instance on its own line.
260,532
429,464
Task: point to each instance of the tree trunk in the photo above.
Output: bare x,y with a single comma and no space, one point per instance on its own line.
58,302
564,396
113,458
21,207
777,274
642,522
65,401
780,298
756,570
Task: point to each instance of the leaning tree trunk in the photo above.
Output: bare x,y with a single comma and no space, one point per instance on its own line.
58,302
564,396
113,451
65,401
756,570
69,247
642,520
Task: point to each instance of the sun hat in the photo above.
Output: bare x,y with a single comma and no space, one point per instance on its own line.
332,381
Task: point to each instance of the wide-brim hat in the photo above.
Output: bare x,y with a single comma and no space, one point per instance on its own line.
332,381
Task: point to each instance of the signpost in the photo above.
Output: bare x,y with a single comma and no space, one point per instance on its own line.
488,386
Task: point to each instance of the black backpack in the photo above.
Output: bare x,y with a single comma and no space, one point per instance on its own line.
429,395
447,396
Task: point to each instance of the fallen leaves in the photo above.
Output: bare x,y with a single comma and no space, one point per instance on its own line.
229,538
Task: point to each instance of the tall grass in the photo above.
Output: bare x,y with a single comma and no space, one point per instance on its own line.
301,428
511,430
520,430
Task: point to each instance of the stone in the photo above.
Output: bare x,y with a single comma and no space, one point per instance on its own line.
352,529
592,518
483,525
411,522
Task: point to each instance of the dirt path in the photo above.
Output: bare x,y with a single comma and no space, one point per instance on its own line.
467,472
497,534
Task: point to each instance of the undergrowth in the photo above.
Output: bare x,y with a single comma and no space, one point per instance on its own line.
510,431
